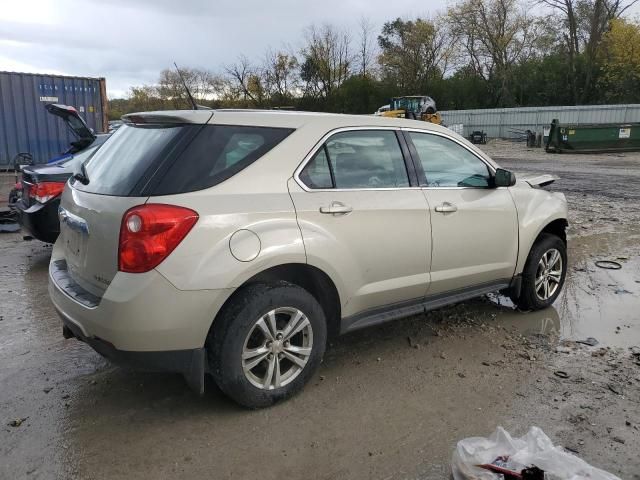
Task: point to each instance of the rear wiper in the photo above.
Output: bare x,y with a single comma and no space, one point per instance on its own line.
82,177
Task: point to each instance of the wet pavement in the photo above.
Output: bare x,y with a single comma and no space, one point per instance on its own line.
388,402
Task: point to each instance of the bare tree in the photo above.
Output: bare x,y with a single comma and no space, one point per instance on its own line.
327,59
366,47
280,75
245,82
171,88
496,34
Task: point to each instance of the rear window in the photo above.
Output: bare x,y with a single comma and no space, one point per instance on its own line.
124,160
164,160
74,162
217,153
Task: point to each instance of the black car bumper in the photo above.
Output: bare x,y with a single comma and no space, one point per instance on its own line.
40,220
190,363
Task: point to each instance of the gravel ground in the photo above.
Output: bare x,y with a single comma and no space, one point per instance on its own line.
388,402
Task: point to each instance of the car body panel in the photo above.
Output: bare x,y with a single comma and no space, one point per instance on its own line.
537,208
204,259
89,234
475,244
393,267
142,312
465,251
40,220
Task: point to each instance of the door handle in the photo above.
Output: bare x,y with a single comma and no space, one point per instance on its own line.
446,207
336,208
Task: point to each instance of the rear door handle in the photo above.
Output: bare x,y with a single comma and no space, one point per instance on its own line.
446,207
336,208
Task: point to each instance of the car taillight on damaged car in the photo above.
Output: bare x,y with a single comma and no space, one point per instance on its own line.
44,191
149,233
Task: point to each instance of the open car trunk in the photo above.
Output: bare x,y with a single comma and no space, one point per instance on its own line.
75,123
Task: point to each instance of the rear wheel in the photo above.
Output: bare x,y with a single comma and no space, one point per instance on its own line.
267,343
544,273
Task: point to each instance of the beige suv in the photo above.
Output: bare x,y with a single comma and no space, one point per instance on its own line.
234,243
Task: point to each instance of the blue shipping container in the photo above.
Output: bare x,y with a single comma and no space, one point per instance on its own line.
25,125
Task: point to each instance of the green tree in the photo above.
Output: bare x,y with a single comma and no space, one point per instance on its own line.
581,26
620,59
495,35
413,54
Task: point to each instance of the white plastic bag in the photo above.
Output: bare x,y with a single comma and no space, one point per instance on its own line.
535,448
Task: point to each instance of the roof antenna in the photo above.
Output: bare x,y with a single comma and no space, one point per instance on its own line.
193,102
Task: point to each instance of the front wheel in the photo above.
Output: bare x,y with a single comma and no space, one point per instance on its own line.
267,343
544,273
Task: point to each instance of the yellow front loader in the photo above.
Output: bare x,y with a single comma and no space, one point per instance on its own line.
415,107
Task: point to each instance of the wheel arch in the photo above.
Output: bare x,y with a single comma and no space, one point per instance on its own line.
306,276
558,227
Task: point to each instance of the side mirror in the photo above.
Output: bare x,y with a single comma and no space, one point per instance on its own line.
504,178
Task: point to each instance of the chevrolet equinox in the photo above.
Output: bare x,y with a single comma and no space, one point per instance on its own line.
234,243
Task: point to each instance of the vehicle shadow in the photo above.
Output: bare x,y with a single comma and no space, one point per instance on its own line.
422,370
119,388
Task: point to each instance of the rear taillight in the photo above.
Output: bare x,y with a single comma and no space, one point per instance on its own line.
149,233
45,191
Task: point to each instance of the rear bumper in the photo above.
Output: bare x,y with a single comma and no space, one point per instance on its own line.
137,311
41,221
192,364
141,320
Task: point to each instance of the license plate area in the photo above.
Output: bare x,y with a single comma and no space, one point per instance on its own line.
75,232
73,243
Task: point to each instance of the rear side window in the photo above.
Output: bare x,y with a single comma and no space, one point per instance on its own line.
317,173
217,153
358,159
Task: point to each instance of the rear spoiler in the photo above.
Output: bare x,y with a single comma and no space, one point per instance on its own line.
171,117
541,180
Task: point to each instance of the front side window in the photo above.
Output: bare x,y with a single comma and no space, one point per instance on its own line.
448,164
358,159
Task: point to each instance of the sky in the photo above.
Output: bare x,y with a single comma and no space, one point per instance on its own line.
130,41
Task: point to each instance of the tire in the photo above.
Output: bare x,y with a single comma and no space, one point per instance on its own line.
240,329
535,298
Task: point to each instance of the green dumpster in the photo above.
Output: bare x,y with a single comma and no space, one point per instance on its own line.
604,137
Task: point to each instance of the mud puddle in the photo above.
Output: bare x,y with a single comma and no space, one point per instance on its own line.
595,302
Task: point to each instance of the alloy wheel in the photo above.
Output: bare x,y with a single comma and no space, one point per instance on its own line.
277,348
548,274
